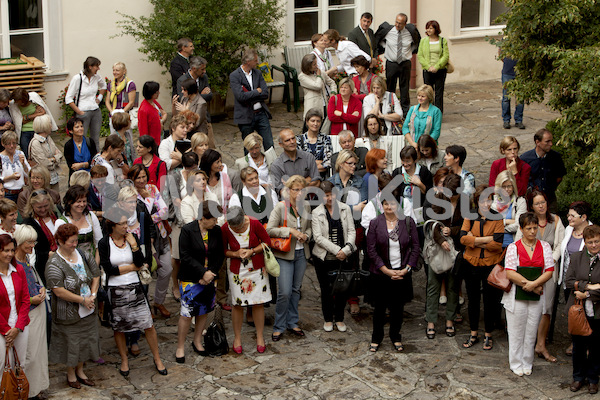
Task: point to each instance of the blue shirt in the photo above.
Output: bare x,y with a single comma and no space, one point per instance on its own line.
545,171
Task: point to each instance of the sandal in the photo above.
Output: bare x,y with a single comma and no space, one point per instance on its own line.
488,343
450,331
373,347
546,355
430,333
471,341
399,347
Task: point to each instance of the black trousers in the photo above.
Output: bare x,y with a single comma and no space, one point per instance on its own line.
332,306
586,354
475,281
437,81
389,294
400,72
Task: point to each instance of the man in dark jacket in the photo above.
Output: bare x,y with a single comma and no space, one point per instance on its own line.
250,92
181,63
398,43
364,37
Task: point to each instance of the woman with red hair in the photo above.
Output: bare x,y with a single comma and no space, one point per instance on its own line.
376,163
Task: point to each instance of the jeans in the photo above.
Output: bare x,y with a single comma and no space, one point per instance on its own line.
290,281
163,276
401,72
26,137
475,279
506,102
586,354
332,306
434,285
260,124
92,121
436,80
388,294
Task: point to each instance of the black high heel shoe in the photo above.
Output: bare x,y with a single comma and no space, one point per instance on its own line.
203,353
161,371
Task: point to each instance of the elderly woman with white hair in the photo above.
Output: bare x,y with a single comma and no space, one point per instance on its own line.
14,166
509,204
43,151
37,344
257,159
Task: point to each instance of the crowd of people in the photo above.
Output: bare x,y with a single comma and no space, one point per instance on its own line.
167,206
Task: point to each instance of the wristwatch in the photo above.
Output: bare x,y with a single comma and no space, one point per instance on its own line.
408,268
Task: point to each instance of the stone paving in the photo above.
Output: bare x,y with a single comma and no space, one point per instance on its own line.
337,365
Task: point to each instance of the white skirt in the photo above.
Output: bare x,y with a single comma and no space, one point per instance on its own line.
250,286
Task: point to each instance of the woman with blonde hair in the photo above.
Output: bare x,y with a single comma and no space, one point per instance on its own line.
199,143
81,178
423,118
383,104
293,262
345,177
344,109
257,159
39,178
120,92
509,204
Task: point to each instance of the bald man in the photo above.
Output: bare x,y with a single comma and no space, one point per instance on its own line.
293,162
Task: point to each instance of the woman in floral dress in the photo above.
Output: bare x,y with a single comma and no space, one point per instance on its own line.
248,281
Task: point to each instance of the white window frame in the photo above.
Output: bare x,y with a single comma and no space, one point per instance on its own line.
483,30
322,10
51,33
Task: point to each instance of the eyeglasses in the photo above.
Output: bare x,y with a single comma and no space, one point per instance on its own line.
541,203
505,187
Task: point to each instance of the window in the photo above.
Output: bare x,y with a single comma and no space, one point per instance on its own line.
312,16
477,14
28,27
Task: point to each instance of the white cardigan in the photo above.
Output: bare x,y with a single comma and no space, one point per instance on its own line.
315,91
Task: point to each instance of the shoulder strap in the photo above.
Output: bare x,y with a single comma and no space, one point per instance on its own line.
160,162
79,91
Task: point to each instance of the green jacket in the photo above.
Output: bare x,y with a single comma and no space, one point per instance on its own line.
423,54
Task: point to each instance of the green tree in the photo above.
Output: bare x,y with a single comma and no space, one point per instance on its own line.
220,29
556,45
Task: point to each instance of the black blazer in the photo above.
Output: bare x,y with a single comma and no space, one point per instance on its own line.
104,252
383,30
193,254
357,36
148,232
69,152
179,66
42,248
245,97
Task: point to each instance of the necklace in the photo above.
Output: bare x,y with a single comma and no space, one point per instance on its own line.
118,245
543,226
69,258
147,163
529,245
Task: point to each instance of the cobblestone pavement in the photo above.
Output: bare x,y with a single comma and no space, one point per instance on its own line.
337,365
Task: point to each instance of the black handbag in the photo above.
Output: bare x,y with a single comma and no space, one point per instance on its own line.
350,282
215,340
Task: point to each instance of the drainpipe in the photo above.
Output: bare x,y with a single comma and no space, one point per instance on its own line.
413,70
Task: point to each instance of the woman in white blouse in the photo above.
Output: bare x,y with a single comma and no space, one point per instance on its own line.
14,166
256,159
383,104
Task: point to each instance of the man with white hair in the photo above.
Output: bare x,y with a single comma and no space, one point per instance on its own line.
347,142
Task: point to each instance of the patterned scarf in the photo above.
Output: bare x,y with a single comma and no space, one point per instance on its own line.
116,89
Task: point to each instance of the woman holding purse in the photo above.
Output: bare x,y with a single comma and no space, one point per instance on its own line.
583,279
292,262
334,234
